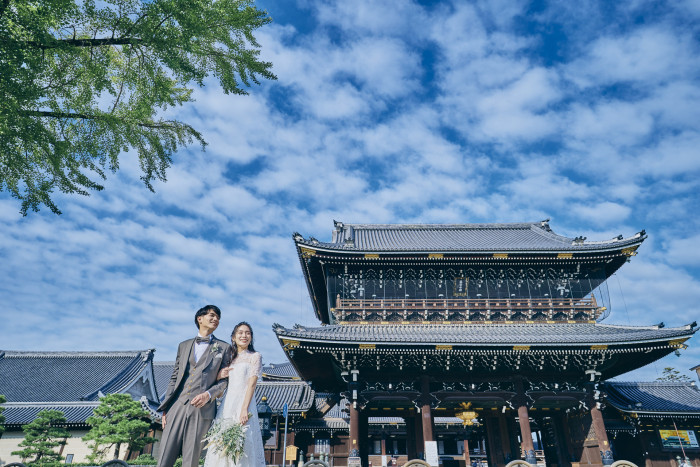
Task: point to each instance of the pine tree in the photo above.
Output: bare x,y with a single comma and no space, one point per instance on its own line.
42,437
671,374
118,420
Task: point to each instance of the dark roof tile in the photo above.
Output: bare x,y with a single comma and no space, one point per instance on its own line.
485,334
68,376
524,237
655,397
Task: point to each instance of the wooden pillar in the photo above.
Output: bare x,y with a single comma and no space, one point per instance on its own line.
426,411
526,435
505,438
568,440
383,444
601,435
420,447
354,431
467,459
411,452
493,442
363,442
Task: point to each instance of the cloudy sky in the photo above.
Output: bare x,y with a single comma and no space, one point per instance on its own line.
584,112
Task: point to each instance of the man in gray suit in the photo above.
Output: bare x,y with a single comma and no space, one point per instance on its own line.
189,405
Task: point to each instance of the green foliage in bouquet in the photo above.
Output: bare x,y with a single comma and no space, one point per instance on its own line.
227,438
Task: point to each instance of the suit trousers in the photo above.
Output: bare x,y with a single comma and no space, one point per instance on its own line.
184,429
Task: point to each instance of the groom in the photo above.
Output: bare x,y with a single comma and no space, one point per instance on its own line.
189,405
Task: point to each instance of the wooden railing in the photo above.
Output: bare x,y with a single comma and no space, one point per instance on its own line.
468,309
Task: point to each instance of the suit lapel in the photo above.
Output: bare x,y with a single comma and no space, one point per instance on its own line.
189,348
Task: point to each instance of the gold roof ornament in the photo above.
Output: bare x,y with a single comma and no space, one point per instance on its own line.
467,416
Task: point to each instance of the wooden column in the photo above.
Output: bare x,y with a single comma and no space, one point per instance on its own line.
420,447
411,452
493,441
527,446
505,438
354,431
568,440
601,435
426,411
467,459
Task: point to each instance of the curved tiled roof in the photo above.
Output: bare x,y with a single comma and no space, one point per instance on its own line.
280,371
337,411
511,237
297,394
162,371
68,376
21,413
654,397
485,334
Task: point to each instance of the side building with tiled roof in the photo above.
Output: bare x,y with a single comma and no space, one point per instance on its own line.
70,382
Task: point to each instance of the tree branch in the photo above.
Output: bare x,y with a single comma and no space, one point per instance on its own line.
86,42
168,124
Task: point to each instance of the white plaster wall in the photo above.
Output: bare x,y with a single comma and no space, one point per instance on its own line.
77,446
8,443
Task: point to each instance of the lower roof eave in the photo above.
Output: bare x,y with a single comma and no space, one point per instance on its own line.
668,414
475,345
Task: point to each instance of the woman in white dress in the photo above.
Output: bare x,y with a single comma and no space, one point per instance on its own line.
242,374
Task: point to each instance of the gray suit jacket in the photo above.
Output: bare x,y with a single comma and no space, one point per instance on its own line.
217,356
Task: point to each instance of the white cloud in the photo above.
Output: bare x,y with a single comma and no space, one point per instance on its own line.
647,55
383,112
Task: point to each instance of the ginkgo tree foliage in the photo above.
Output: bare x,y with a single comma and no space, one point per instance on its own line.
83,81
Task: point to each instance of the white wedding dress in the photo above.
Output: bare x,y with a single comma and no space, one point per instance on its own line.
245,365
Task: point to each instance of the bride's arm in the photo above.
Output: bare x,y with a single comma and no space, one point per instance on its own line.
250,389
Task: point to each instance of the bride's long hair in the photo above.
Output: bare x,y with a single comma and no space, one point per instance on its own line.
234,347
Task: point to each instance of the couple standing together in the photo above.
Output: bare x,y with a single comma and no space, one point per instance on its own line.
205,366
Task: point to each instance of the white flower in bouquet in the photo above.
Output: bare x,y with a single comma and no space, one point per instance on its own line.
227,438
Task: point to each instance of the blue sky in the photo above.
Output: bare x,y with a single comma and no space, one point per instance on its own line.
586,112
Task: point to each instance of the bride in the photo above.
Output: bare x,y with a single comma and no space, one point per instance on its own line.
239,404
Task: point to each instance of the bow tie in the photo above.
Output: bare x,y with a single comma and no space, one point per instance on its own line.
201,340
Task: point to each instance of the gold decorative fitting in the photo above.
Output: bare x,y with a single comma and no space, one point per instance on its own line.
678,342
368,346
631,251
371,256
290,344
307,252
443,347
500,255
467,417
521,347
565,255
599,347
435,255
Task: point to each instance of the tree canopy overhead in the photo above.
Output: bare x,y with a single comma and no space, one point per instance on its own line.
84,80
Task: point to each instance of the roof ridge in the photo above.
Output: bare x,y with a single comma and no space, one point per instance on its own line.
51,404
413,226
72,353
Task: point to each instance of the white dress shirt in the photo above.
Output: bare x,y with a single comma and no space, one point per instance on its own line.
200,348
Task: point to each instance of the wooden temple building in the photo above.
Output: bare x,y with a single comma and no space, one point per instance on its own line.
476,336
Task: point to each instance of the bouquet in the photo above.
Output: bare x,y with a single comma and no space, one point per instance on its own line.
227,437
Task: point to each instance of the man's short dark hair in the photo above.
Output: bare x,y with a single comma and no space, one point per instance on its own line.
204,310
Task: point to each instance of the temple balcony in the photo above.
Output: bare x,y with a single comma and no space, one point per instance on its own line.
567,310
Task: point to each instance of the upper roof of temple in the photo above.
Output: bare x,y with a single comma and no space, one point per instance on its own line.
468,238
